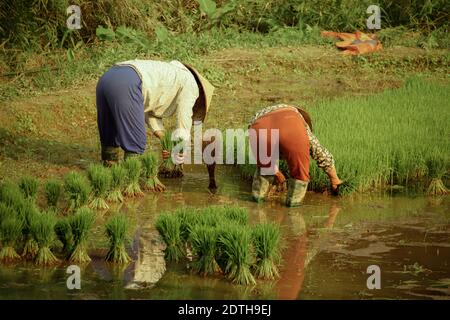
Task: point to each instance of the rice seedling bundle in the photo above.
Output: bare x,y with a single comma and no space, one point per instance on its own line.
52,191
347,187
235,245
78,190
100,178
29,187
169,169
436,170
169,226
42,228
134,168
117,232
28,211
80,225
266,241
10,233
118,180
204,242
10,194
188,217
150,166
236,214
63,232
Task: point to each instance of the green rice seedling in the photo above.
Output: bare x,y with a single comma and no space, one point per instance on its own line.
42,228
150,172
169,226
266,241
204,242
134,168
29,187
80,225
118,180
52,191
63,232
347,187
116,230
188,217
436,170
28,211
78,189
169,169
236,214
235,244
10,233
100,178
10,194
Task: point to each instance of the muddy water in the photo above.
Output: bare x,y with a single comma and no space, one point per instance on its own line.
328,245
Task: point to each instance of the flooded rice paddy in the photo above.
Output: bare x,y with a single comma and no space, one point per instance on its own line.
329,243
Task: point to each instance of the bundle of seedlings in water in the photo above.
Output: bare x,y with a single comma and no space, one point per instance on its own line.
28,211
235,245
118,180
134,168
266,241
436,170
188,217
52,191
42,228
236,214
203,240
100,178
64,234
169,226
10,233
168,168
347,187
117,232
29,187
80,225
150,166
78,190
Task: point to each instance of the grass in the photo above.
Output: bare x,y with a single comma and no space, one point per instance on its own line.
77,189
150,172
266,241
117,228
81,223
42,228
235,242
204,241
100,178
169,226
29,187
238,215
118,180
52,192
134,169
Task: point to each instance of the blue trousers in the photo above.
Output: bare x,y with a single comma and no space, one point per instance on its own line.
120,110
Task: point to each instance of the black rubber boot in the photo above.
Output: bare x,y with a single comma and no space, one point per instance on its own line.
110,155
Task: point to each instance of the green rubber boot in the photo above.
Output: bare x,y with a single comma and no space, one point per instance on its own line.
110,155
296,192
261,185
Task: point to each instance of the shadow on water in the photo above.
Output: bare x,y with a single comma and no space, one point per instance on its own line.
328,245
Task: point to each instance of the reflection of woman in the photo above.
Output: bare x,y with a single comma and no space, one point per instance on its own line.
298,255
296,143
